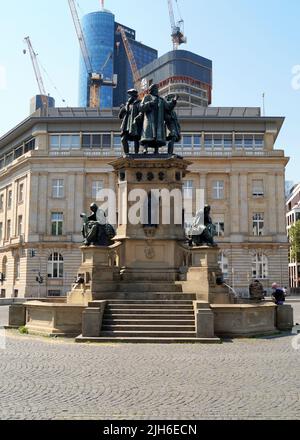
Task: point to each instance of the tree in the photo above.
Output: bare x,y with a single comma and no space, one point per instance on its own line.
294,235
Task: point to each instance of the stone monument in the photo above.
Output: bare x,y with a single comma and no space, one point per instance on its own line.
147,279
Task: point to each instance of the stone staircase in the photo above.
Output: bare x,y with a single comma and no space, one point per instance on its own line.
152,320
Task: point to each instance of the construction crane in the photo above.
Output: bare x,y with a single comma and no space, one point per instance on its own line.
177,35
96,79
131,59
37,72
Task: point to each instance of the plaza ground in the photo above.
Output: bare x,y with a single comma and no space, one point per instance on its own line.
44,378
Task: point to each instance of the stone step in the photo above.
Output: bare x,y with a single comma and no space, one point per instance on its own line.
150,301
144,295
149,287
138,306
147,340
180,321
147,311
149,333
149,316
151,327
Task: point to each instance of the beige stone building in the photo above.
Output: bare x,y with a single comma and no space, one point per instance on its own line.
52,167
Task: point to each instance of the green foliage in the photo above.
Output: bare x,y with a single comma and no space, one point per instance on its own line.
23,330
294,234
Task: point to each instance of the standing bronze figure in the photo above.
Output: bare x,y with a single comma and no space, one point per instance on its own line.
156,113
131,125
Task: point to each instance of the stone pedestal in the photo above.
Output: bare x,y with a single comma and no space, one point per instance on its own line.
284,317
204,320
203,275
92,319
17,315
54,319
150,245
100,272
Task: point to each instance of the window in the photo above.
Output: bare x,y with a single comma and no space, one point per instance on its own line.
64,141
220,224
187,141
188,186
218,189
223,263
3,293
117,141
297,216
29,145
1,231
96,140
21,193
258,188
258,224
9,199
57,223
9,158
97,186
55,266
1,201
4,268
54,293
57,188
259,266
8,229
20,225
17,268
197,141
18,152
249,141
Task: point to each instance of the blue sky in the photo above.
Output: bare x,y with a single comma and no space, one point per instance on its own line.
254,46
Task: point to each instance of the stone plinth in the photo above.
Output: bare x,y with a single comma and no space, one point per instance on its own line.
203,274
285,317
17,315
204,320
92,319
100,271
150,247
54,319
236,320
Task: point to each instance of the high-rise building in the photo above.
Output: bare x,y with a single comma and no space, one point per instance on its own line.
102,39
143,56
182,73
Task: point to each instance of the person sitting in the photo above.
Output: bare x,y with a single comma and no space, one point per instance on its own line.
278,294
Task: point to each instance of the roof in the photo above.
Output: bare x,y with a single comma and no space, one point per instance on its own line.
252,114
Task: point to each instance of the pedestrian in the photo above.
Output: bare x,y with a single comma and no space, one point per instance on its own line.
278,294
256,291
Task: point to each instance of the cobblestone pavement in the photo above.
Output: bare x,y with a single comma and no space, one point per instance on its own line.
43,378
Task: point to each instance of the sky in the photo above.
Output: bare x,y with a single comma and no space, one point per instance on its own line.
254,46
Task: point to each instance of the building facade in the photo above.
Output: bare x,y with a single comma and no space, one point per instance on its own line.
102,39
181,73
293,216
52,168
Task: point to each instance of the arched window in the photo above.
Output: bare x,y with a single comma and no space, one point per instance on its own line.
17,267
259,266
55,266
223,263
4,267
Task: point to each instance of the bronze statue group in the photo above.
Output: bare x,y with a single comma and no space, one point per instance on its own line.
151,122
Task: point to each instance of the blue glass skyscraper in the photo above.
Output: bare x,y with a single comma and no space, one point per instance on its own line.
102,39
98,28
